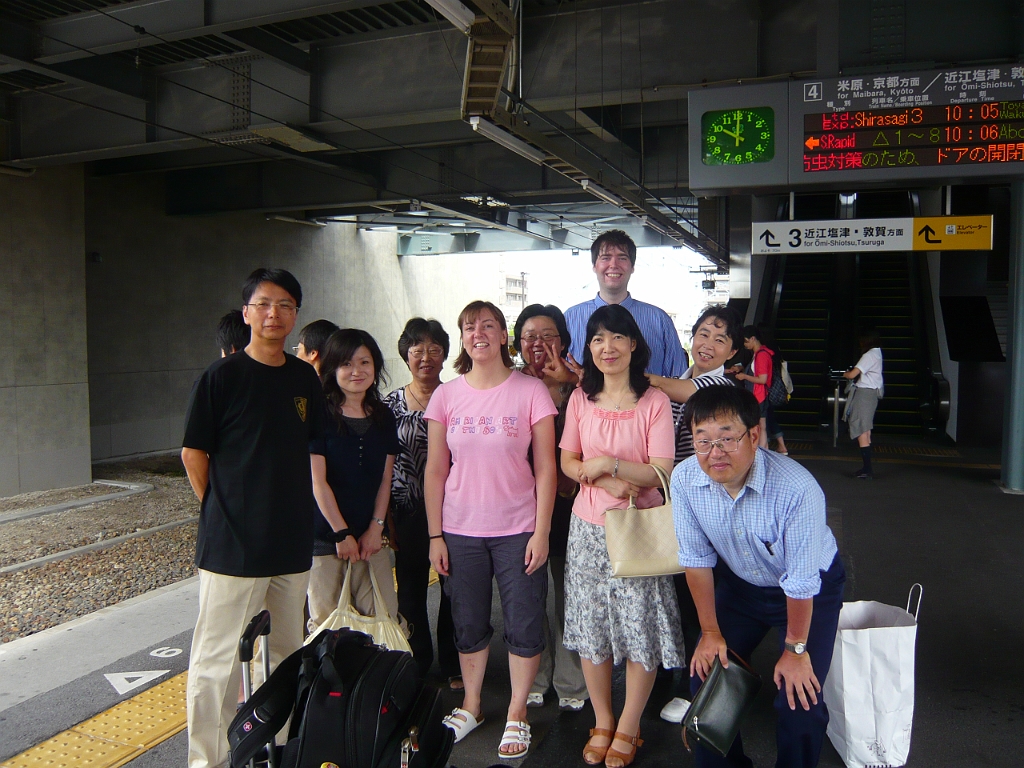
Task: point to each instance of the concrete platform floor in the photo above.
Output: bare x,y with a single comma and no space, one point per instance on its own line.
938,520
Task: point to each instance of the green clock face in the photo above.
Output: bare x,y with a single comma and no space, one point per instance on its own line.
738,136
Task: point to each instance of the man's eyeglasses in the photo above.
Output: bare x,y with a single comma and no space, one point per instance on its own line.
726,444
547,338
421,353
284,307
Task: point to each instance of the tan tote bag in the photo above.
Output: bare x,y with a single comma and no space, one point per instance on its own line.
384,630
642,542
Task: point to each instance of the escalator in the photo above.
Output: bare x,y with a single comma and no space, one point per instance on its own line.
801,333
884,300
817,303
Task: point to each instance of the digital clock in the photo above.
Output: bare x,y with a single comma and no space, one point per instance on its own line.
738,136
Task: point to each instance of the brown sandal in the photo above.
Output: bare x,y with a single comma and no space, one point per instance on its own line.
595,755
624,758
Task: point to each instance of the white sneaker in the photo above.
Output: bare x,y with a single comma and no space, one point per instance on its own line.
675,710
569,703
535,700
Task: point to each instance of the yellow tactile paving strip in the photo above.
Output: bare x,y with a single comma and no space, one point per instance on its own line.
114,737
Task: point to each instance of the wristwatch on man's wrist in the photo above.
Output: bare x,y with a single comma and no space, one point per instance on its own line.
798,648
379,521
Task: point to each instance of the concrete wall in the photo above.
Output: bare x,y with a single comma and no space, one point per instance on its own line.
163,282
44,389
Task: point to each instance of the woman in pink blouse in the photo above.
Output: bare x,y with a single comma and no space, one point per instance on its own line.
616,426
489,512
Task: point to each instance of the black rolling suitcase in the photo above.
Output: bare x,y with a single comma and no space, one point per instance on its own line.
353,704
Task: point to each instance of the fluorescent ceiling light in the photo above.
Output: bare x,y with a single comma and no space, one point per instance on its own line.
507,140
599,191
460,16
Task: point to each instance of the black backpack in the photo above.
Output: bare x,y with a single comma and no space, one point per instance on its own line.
353,704
777,393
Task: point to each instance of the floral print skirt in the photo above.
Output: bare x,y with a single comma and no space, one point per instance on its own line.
609,618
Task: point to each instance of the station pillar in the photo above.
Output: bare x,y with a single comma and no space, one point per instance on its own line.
1013,428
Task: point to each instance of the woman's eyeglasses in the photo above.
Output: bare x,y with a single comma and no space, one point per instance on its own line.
422,353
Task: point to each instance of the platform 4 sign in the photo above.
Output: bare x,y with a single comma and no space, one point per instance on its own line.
923,233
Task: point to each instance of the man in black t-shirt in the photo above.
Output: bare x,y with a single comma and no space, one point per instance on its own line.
250,421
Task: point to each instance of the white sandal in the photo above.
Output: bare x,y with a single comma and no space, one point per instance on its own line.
516,732
462,722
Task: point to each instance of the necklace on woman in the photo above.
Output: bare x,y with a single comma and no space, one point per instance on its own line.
618,405
418,401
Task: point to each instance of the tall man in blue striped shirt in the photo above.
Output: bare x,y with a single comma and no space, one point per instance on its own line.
758,554
613,255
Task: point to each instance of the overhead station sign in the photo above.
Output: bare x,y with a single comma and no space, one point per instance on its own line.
922,233
927,125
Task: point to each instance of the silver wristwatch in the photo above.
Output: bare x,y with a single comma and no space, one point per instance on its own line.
798,648
379,521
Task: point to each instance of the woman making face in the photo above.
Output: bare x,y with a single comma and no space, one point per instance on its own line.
616,427
424,346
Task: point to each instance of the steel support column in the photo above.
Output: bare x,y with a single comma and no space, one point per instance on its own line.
1013,426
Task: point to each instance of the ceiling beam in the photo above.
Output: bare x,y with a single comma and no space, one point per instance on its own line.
91,32
261,41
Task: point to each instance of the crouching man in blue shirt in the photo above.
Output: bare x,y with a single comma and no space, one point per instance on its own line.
758,554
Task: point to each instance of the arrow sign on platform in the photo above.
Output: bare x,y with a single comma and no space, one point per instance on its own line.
811,142
928,232
768,241
127,681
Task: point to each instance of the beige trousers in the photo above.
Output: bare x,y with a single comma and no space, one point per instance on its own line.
325,586
226,604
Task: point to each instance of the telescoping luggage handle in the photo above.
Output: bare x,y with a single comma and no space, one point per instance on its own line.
259,627
910,598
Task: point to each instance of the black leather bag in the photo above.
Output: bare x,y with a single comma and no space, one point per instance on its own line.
724,698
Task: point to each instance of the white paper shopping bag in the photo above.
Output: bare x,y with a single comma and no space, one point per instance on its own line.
869,691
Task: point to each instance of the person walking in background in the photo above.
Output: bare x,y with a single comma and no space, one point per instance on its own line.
613,255
541,337
233,334
758,375
424,347
616,426
251,420
489,512
868,388
312,339
352,467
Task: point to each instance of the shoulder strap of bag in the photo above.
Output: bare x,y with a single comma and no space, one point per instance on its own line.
266,711
663,477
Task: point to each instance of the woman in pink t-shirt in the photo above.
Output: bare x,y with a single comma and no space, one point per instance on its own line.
616,427
489,512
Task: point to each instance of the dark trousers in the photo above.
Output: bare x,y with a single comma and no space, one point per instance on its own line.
691,633
745,614
412,569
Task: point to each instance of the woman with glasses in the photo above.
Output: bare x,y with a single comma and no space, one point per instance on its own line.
616,427
424,347
352,468
543,339
489,512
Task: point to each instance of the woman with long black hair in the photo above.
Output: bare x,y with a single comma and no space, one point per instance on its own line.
352,478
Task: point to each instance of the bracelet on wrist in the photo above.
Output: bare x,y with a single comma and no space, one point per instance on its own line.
615,471
341,535
439,536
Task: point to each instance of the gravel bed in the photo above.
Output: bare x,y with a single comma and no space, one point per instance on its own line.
171,500
51,594
47,595
49,498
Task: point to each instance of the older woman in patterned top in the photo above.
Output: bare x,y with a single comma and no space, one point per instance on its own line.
424,346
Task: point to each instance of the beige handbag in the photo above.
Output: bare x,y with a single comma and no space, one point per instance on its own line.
642,542
381,627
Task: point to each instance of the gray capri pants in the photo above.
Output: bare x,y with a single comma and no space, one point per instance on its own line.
472,561
861,412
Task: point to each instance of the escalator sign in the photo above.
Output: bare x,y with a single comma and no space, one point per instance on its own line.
927,233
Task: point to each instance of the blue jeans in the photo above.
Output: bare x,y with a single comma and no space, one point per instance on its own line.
745,614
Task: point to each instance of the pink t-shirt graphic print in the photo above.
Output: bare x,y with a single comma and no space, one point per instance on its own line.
490,489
